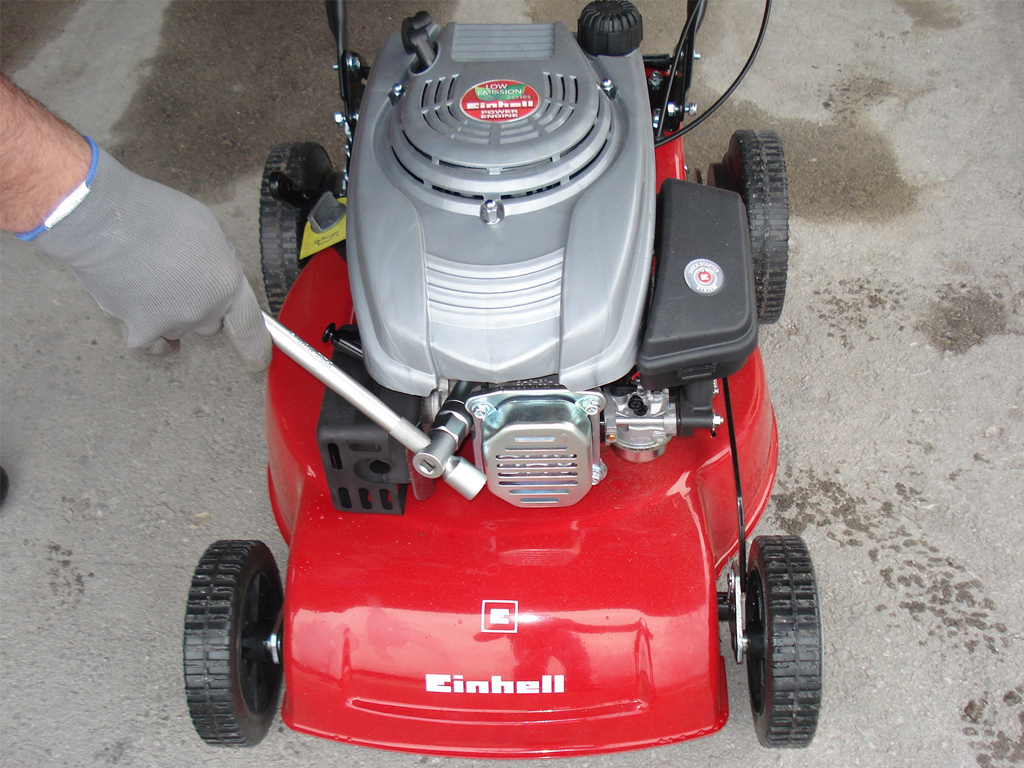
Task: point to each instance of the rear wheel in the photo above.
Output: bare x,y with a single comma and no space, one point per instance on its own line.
784,633
307,165
232,681
755,167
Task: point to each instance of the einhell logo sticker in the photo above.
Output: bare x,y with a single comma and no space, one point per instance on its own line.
500,616
496,684
500,101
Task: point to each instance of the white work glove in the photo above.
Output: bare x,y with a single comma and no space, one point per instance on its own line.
158,260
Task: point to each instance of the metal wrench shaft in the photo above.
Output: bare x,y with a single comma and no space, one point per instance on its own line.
463,476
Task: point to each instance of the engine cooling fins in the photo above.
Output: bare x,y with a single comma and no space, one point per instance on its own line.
503,112
437,144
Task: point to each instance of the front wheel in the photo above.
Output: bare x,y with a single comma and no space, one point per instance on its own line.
232,680
785,648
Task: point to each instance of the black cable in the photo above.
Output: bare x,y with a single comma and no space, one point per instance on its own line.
740,512
688,29
660,140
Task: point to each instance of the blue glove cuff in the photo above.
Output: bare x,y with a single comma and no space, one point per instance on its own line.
69,203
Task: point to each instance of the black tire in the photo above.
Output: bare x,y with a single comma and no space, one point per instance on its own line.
784,659
282,224
231,682
755,167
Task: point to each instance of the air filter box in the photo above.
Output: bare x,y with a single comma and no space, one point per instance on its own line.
702,321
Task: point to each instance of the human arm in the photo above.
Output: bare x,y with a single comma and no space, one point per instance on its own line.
42,159
151,256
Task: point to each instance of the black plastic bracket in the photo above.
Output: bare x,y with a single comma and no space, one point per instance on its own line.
366,470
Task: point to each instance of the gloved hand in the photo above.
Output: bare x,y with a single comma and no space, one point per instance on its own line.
158,260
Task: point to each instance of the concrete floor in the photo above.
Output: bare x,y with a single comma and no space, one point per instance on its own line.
895,372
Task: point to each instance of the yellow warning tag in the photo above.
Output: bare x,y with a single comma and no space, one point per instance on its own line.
314,242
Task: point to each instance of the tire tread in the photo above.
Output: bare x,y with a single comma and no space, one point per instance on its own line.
206,650
793,651
281,225
756,168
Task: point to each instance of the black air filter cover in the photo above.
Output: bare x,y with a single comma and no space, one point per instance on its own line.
610,28
703,331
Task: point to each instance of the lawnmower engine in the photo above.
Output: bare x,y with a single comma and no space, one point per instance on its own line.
501,234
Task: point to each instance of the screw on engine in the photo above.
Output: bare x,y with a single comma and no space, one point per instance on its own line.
480,410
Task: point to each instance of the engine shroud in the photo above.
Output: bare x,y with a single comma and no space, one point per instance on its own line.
551,278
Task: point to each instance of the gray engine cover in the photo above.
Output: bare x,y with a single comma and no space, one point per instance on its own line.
558,285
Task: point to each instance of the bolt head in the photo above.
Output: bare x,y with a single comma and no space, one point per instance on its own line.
491,212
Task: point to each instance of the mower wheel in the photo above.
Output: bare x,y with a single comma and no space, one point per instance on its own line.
755,167
232,681
785,647
282,224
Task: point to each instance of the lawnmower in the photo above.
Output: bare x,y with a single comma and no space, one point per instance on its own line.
517,419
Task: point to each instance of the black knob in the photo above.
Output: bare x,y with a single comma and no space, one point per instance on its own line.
610,28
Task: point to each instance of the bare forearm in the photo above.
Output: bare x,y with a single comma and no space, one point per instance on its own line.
42,159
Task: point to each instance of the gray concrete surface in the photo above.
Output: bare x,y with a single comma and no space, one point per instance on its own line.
896,371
